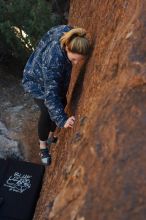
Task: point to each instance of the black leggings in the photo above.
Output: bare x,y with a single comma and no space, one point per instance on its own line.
45,124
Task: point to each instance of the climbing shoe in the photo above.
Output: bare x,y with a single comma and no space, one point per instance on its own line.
45,156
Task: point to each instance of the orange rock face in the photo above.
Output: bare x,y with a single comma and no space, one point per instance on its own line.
99,166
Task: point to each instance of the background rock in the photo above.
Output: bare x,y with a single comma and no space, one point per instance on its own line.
8,146
18,119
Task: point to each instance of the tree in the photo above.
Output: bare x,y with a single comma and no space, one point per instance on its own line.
22,24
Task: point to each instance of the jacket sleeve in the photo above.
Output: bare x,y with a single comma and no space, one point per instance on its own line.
53,80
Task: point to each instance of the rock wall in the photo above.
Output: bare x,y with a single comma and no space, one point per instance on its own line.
99,166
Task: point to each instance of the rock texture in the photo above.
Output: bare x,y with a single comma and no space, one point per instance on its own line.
99,166
8,146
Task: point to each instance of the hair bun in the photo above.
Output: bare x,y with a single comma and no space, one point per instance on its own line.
81,32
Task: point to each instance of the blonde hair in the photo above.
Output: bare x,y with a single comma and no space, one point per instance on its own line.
76,41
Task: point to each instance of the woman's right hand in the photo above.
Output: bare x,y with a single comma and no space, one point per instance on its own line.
69,123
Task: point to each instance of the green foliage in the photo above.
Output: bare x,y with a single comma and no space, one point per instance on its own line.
22,24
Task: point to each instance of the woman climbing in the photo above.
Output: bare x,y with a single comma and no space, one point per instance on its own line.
47,75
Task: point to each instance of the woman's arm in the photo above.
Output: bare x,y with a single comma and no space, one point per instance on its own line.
52,69
52,84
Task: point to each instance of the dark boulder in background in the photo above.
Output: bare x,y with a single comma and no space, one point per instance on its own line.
60,8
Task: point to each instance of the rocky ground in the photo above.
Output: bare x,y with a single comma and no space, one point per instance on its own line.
18,119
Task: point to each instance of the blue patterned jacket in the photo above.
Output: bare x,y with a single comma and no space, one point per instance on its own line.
47,73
